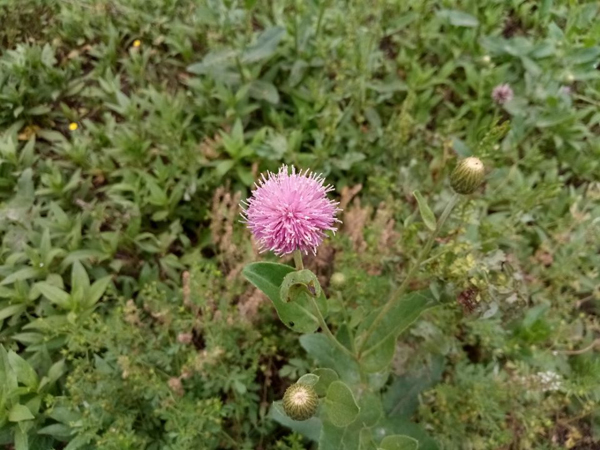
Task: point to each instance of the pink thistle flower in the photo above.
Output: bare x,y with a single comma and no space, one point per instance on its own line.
288,212
502,93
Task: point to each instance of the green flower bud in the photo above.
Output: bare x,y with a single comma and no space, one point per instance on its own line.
467,176
300,401
338,279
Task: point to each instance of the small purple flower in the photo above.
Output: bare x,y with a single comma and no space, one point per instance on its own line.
289,212
502,94
566,90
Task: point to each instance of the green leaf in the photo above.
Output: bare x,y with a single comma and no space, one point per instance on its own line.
366,441
64,415
57,430
390,427
310,428
336,438
340,404
18,413
326,377
57,370
401,316
380,358
399,442
309,379
330,356
344,335
45,244
426,213
25,373
54,294
79,278
158,196
265,45
263,90
458,18
297,284
21,274
21,439
7,374
371,409
78,442
586,55
296,315
216,61
78,255
11,310
402,396
54,373
224,166
96,291
52,136
245,175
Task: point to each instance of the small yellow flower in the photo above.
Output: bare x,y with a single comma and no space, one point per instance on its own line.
137,43
73,126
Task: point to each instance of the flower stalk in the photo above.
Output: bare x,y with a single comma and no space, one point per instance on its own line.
298,260
300,266
399,292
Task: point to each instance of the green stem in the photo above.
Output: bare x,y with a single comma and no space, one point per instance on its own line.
300,266
397,294
328,332
298,260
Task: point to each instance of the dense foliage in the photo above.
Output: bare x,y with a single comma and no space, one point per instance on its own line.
129,132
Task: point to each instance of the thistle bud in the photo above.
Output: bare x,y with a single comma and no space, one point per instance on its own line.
338,279
300,401
467,176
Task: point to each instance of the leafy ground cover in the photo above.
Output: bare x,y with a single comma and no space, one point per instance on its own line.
129,133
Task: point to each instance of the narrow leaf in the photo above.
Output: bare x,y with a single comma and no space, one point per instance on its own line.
21,274
263,90
265,45
97,290
426,213
25,373
12,310
79,277
458,18
54,294
400,317
216,61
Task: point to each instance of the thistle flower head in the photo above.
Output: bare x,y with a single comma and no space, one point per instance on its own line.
502,93
290,211
467,176
300,401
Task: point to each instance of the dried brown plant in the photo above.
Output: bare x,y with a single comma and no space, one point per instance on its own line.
225,217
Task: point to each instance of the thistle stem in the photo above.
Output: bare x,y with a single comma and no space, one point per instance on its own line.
298,260
300,266
328,332
397,294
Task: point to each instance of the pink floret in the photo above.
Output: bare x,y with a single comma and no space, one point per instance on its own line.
290,211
